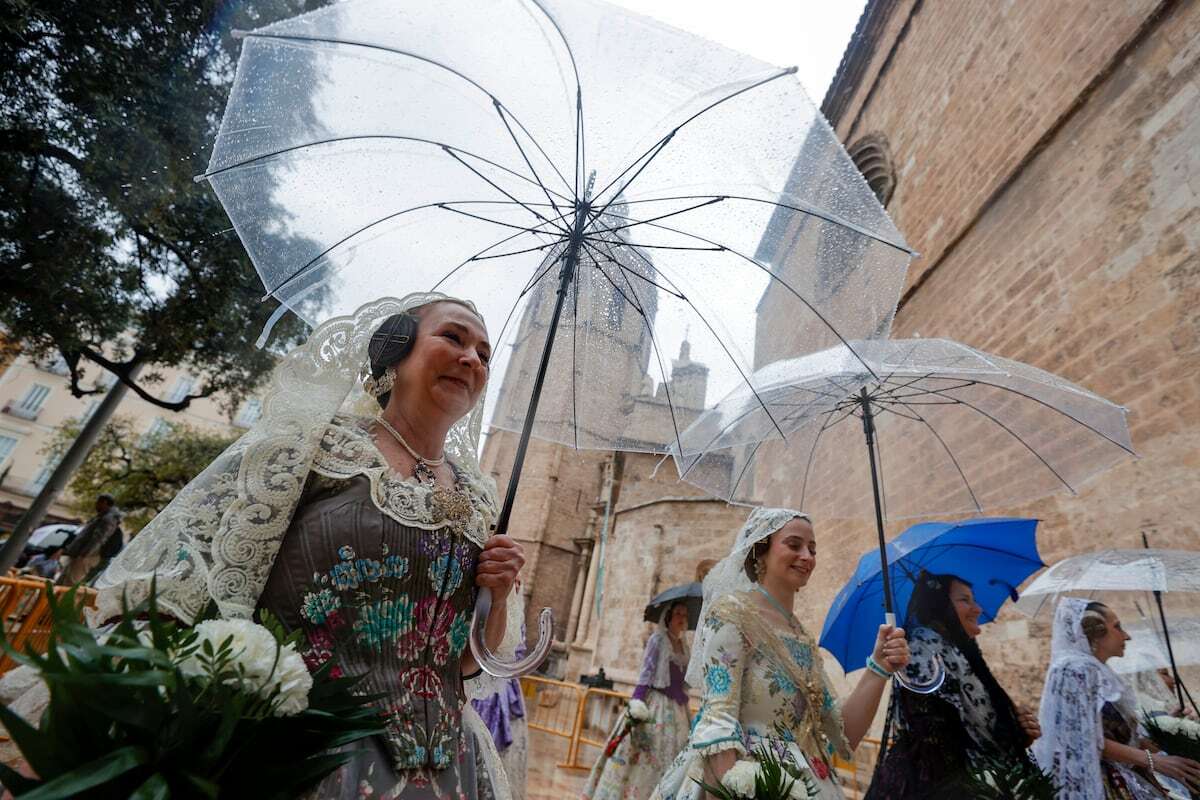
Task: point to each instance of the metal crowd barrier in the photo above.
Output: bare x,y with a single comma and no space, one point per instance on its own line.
25,614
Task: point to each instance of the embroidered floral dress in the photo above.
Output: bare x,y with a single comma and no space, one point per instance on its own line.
377,571
634,768
764,686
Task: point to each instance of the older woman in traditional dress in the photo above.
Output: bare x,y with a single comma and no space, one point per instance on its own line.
761,672
639,752
369,534
1089,721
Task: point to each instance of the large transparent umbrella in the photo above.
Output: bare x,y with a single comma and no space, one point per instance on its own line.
608,190
902,428
1146,570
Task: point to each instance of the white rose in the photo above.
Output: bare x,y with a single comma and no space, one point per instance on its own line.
740,778
265,667
639,711
799,790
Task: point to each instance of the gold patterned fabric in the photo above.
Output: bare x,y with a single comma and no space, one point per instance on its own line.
764,686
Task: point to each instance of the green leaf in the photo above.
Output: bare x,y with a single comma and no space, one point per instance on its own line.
37,748
292,781
89,775
206,787
99,679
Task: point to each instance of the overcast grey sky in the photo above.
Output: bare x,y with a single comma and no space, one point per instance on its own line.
808,34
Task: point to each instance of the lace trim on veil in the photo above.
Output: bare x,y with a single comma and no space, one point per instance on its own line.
348,449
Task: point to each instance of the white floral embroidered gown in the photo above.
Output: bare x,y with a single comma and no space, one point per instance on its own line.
639,760
380,578
764,686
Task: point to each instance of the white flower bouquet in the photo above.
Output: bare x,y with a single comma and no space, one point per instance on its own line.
226,708
637,713
1177,736
765,777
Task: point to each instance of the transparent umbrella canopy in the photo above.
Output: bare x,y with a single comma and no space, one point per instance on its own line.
902,428
1146,651
953,429
609,191
1146,570
1089,574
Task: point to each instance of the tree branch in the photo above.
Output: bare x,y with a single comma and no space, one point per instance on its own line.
122,370
185,259
35,143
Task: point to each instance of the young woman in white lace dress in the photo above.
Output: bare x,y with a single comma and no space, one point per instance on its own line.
1089,720
761,672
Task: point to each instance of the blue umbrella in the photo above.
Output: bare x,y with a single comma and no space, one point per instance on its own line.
994,554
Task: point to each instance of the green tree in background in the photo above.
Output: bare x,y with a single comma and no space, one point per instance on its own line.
110,254
143,473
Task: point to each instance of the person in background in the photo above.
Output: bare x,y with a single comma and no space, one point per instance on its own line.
1088,716
501,706
44,565
639,751
84,553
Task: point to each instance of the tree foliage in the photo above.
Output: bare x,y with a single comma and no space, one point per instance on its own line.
142,473
110,254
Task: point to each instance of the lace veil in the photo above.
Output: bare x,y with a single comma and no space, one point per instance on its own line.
1077,687
729,577
217,540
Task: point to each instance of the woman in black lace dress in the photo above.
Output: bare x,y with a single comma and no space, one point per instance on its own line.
939,735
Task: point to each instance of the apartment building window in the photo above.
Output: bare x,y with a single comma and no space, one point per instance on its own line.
57,365
31,403
160,427
43,475
7,445
251,411
183,387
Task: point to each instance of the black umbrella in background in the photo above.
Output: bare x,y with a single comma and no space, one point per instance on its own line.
691,594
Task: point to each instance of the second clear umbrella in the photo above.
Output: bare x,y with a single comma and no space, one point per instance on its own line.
902,428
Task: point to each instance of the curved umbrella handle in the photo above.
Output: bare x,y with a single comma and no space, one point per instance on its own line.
488,662
924,688
930,686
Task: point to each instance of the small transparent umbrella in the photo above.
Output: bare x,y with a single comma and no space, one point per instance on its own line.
903,428
601,185
1146,570
1146,651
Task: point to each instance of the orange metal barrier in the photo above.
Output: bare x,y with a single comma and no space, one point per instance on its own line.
598,715
25,614
585,717
856,773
